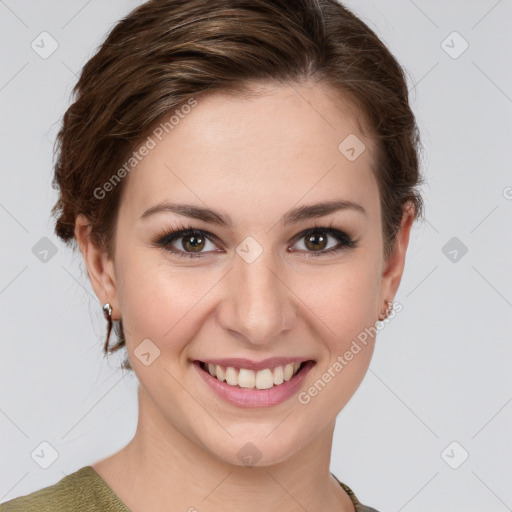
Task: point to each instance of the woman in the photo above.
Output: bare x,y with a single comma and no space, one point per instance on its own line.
241,178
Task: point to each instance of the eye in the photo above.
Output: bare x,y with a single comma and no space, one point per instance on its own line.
189,242
315,241
192,243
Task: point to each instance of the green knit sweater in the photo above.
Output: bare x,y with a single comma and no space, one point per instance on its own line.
86,491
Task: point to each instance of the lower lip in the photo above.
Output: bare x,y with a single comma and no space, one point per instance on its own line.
244,397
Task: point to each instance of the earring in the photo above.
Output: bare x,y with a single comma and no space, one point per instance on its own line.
107,311
384,314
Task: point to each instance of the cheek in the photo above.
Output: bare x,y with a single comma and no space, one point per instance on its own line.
159,301
343,301
343,296
343,312
165,303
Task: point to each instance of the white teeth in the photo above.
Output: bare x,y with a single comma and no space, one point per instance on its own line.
278,375
262,379
288,371
231,376
221,374
246,378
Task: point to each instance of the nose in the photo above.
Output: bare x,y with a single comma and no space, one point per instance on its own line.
257,305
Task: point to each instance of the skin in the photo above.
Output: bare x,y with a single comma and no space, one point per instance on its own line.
252,159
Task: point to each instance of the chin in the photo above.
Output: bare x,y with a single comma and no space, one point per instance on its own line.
254,447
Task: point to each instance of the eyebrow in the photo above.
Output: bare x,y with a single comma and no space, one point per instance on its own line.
292,217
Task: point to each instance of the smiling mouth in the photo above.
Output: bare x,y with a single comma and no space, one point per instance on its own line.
249,379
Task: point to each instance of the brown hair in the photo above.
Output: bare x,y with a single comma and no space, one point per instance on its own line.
166,51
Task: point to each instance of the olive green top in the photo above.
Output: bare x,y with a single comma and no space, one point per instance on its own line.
86,491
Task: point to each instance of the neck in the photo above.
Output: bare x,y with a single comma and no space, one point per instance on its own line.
162,467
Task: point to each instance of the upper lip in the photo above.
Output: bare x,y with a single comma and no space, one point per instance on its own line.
240,362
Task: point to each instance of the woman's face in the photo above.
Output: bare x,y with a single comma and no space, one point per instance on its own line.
256,287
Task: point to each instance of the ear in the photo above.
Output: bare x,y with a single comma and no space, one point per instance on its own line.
99,266
394,265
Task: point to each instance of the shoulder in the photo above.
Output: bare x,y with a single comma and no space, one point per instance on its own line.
68,494
359,507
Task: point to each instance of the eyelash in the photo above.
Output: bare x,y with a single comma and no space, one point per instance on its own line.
165,238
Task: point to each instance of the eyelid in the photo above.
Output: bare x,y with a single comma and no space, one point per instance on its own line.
318,227
344,238
166,237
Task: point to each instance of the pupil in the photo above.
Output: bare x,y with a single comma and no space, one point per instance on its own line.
316,239
196,244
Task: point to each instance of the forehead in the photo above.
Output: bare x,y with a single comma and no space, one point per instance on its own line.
256,153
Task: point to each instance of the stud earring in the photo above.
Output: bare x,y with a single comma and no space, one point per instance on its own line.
385,313
107,311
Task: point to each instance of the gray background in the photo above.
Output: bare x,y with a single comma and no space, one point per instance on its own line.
442,368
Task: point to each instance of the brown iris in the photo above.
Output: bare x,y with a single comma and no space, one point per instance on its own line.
193,242
314,239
